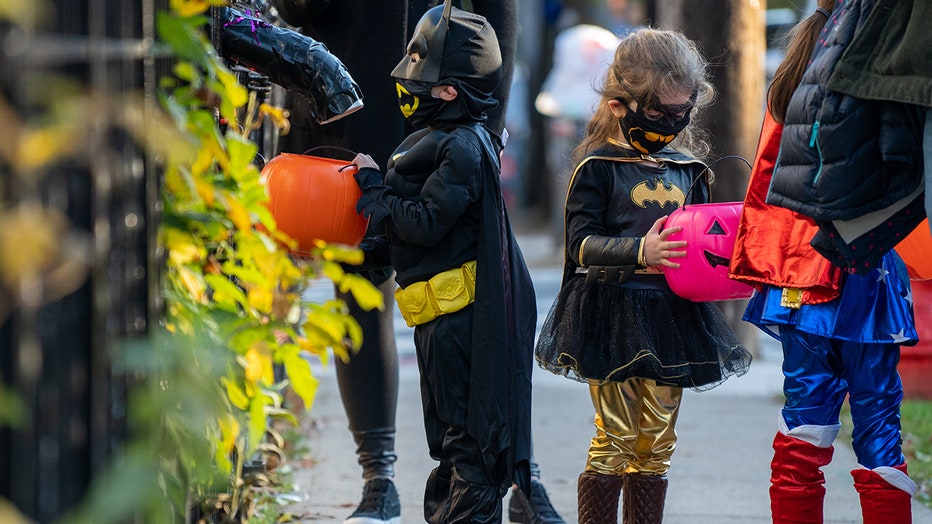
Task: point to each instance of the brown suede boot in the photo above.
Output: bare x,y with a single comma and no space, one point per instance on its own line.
597,498
644,498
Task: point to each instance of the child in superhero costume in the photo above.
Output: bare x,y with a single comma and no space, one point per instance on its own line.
616,324
368,37
463,282
840,332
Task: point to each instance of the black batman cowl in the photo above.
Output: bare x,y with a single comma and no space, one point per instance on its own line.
458,48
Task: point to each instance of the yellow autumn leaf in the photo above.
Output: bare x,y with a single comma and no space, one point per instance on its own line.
341,253
236,92
238,213
188,8
237,396
194,283
30,238
229,433
302,380
366,295
205,190
257,422
181,247
258,365
261,299
201,163
278,116
333,271
41,147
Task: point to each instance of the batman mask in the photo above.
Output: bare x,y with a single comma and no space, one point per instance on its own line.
650,134
416,102
450,47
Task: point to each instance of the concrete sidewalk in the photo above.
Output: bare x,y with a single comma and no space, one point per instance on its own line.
720,472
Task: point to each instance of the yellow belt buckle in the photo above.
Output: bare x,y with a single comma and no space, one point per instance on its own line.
791,297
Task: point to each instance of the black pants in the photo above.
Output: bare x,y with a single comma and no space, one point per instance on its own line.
460,488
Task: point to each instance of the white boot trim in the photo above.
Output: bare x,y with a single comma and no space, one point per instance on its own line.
818,436
896,478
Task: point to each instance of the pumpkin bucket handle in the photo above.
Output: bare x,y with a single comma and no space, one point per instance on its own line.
707,168
350,152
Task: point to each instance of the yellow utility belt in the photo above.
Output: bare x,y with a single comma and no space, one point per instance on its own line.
445,292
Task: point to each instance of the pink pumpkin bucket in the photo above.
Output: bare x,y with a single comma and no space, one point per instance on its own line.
709,231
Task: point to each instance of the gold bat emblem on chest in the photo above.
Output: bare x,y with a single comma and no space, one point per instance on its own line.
643,193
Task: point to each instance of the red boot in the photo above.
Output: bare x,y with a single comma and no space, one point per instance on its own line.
796,481
886,494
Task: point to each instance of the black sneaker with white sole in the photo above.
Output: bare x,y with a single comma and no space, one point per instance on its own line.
379,504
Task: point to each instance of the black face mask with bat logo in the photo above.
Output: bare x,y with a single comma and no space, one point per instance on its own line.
649,135
416,102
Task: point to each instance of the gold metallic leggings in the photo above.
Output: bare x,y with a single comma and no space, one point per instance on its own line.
634,423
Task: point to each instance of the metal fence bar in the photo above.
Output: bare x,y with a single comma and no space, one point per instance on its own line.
57,357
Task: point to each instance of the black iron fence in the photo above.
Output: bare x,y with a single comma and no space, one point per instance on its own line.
55,355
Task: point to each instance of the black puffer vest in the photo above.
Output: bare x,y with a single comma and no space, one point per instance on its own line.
842,157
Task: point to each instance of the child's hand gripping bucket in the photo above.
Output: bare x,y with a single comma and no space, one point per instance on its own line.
709,231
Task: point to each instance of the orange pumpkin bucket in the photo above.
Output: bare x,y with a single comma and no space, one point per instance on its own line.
314,198
916,252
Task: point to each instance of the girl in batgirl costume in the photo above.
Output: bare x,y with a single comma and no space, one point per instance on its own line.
841,333
615,323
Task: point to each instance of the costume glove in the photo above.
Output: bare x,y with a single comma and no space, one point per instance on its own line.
368,178
372,203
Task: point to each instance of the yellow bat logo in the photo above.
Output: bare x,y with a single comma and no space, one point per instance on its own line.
635,134
406,100
660,193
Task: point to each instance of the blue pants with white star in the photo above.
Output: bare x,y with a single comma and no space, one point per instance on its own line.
819,372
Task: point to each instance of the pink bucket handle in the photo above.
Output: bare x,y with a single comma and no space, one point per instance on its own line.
708,168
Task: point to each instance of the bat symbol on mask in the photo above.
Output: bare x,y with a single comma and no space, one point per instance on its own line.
406,101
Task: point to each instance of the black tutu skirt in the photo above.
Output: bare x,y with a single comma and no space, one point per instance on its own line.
608,332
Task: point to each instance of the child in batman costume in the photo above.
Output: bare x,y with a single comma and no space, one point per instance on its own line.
369,37
616,324
464,285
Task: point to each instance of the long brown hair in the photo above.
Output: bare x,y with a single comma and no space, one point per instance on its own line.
648,64
801,40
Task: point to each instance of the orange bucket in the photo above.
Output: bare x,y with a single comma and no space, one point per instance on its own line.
916,252
314,198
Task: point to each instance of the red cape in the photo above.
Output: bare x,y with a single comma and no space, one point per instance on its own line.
772,245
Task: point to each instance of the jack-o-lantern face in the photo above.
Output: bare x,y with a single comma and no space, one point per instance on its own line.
709,231
713,259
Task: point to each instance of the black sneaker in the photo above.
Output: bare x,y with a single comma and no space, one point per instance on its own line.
379,505
537,510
